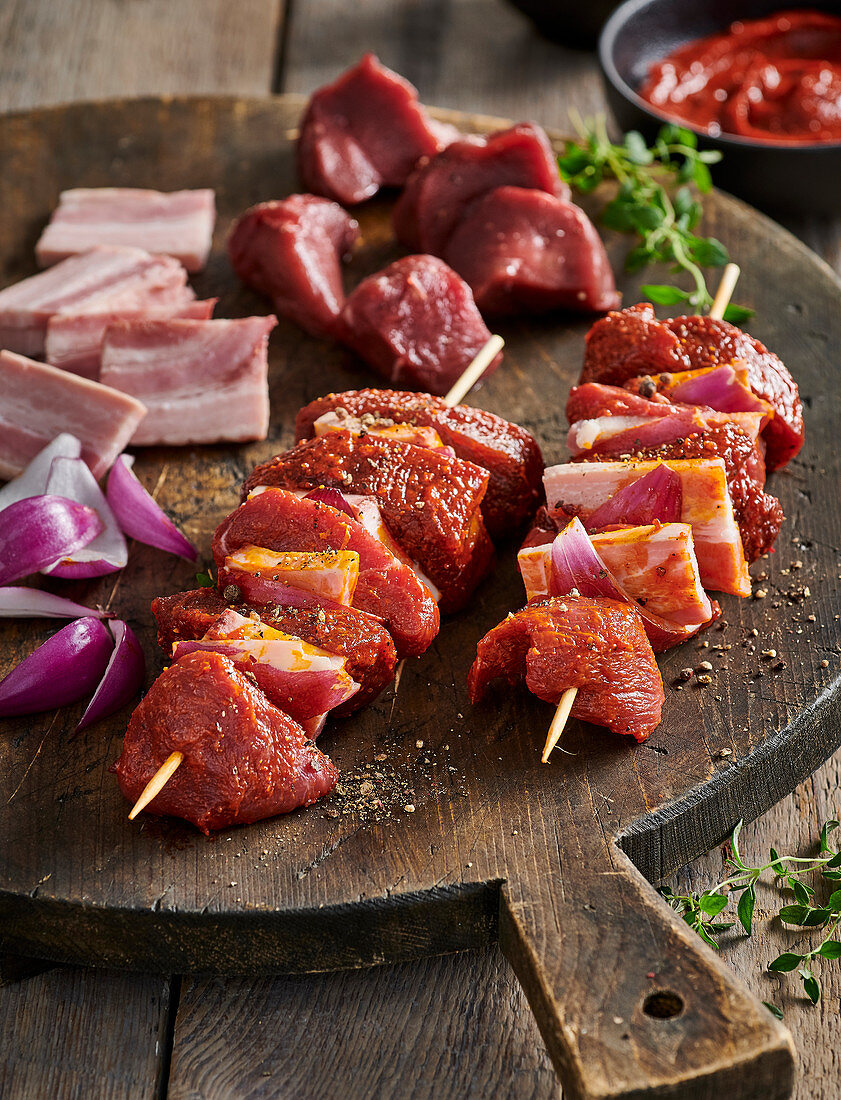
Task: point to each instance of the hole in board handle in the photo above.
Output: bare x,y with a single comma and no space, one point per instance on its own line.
663,1005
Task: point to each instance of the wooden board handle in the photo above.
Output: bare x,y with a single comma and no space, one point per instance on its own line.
629,1000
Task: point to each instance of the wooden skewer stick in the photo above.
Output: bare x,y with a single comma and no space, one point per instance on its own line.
474,371
558,722
725,291
722,298
157,783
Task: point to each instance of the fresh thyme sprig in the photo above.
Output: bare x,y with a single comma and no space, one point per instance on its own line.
701,910
655,202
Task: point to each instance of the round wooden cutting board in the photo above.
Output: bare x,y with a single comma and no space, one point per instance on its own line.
446,830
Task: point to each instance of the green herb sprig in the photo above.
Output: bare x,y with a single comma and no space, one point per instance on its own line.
655,202
700,911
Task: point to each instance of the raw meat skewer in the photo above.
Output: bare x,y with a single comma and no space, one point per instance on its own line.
722,297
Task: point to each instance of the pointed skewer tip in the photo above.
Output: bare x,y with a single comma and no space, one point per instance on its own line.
157,783
558,722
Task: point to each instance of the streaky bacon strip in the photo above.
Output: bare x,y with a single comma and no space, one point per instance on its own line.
654,563
175,223
74,340
201,381
598,646
102,280
40,402
579,488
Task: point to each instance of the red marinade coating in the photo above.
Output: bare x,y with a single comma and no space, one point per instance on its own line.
596,645
509,453
525,250
430,502
439,191
364,642
386,588
415,322
244,760
291,250
633,342
365,131
594,399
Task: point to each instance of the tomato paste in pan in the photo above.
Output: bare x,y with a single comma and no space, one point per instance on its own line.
776,79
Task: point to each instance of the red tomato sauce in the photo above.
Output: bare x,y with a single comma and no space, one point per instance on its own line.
776,79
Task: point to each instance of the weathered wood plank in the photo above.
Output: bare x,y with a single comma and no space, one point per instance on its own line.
473,55
87,49
77,1033
457,1026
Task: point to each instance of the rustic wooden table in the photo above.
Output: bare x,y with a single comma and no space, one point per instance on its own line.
455,1026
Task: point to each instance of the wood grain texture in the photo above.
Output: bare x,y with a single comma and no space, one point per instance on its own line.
74,1033
87,49
457,1026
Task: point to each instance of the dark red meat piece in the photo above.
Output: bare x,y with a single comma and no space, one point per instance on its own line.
439,191
244,760
361,639
596,645
365,131
633,342
431,503
291,250
508,452
415,322
523,250
593,399
388,589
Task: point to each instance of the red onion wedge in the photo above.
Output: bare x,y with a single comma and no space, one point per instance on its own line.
71,478
65,668
33,481
334,498
123,677
36,532
576,566
34,603
138,514
261,591
656,496
719,388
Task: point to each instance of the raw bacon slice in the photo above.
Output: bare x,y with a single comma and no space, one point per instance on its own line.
330,575
201,381
523,250
507,451
40,402
580,488
301,679
633,342
365,131
596,645
440,190
415,322
74,340
174,223
361,639
430,503
291,250
244,760
655,564
725,389
100,281
279,520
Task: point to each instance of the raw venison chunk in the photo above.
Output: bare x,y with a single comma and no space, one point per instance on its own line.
201,381
415,322
100,281
438,193
291,250
40,402
175,223
365,131
523,250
